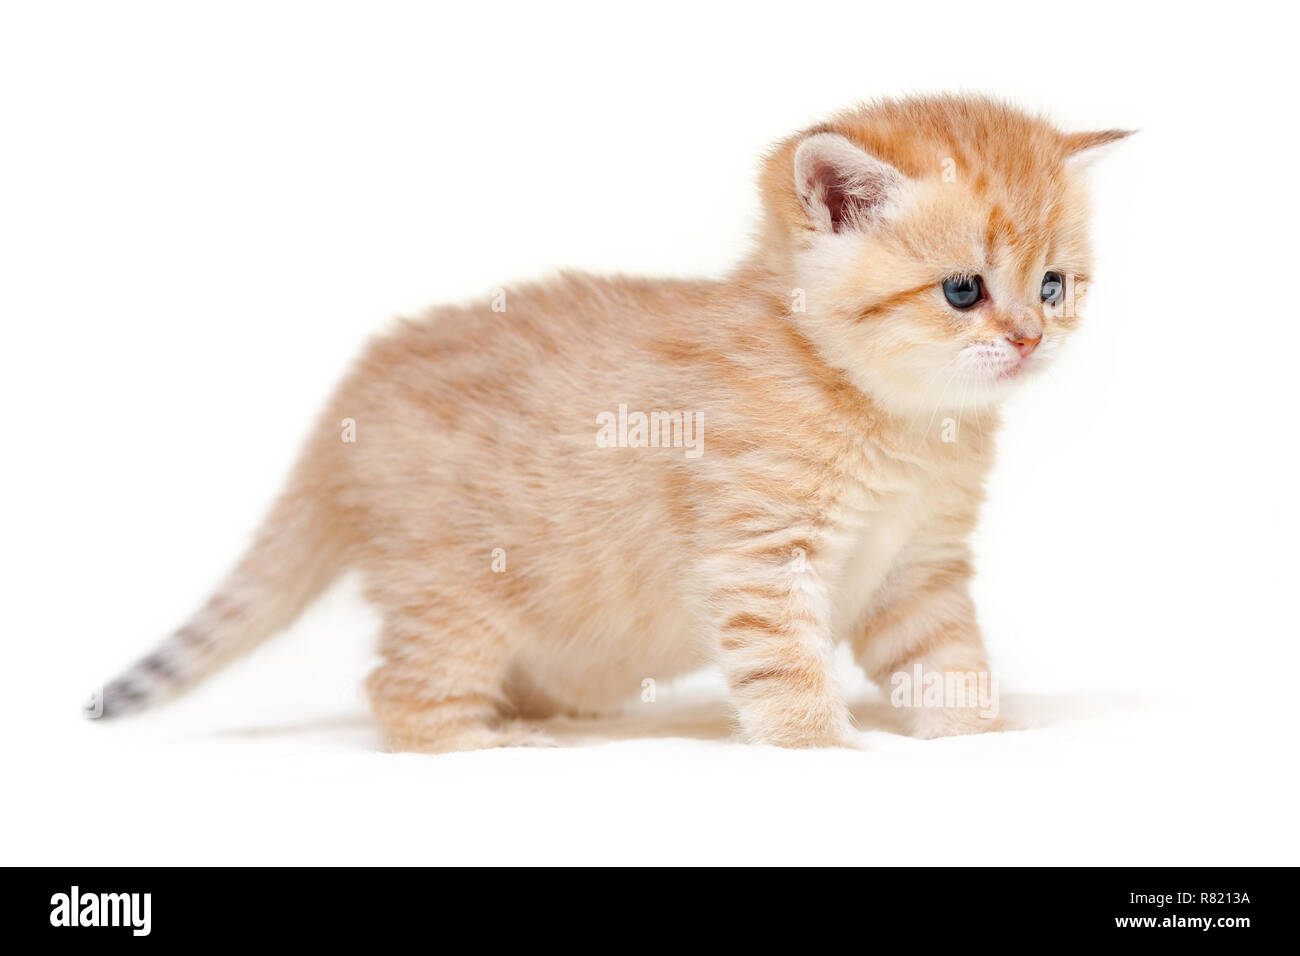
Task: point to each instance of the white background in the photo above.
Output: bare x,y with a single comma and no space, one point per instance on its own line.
206,209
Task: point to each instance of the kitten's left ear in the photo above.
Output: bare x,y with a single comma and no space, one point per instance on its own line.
1083,149
840,185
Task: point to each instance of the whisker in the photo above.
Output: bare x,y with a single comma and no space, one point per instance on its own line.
939,401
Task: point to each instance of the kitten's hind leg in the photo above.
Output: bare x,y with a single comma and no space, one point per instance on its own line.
440,687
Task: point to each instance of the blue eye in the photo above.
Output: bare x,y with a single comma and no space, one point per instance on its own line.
962,292
1053,287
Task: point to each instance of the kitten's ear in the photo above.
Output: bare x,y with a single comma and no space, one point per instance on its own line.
1083,149
840,185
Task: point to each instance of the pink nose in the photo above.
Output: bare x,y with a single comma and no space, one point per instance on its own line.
1024,345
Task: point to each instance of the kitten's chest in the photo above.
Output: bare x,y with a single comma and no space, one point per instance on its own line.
873,544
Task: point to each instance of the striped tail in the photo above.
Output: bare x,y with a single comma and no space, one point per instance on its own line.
294,556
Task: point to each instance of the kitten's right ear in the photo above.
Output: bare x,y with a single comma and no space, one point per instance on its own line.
842,186
1083,149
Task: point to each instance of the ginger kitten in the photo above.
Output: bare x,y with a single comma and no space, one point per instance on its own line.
595,481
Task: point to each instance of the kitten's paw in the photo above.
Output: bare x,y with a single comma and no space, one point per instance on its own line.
470,738
928,723
845,738
802,741
829,728
445,728
520,733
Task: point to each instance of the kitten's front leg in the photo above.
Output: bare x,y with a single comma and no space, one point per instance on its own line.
773,641
921,645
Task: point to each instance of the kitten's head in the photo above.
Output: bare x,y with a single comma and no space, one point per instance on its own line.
937,247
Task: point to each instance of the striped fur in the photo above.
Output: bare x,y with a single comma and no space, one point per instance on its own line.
826,505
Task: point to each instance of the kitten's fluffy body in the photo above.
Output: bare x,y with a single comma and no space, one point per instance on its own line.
824,507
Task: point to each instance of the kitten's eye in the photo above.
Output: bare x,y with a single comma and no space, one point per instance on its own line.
1053,286
963,291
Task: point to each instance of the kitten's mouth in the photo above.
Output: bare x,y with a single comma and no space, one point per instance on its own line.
994,364
1019,366
1003,371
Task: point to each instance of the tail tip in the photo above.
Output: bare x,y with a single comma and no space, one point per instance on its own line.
120,697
